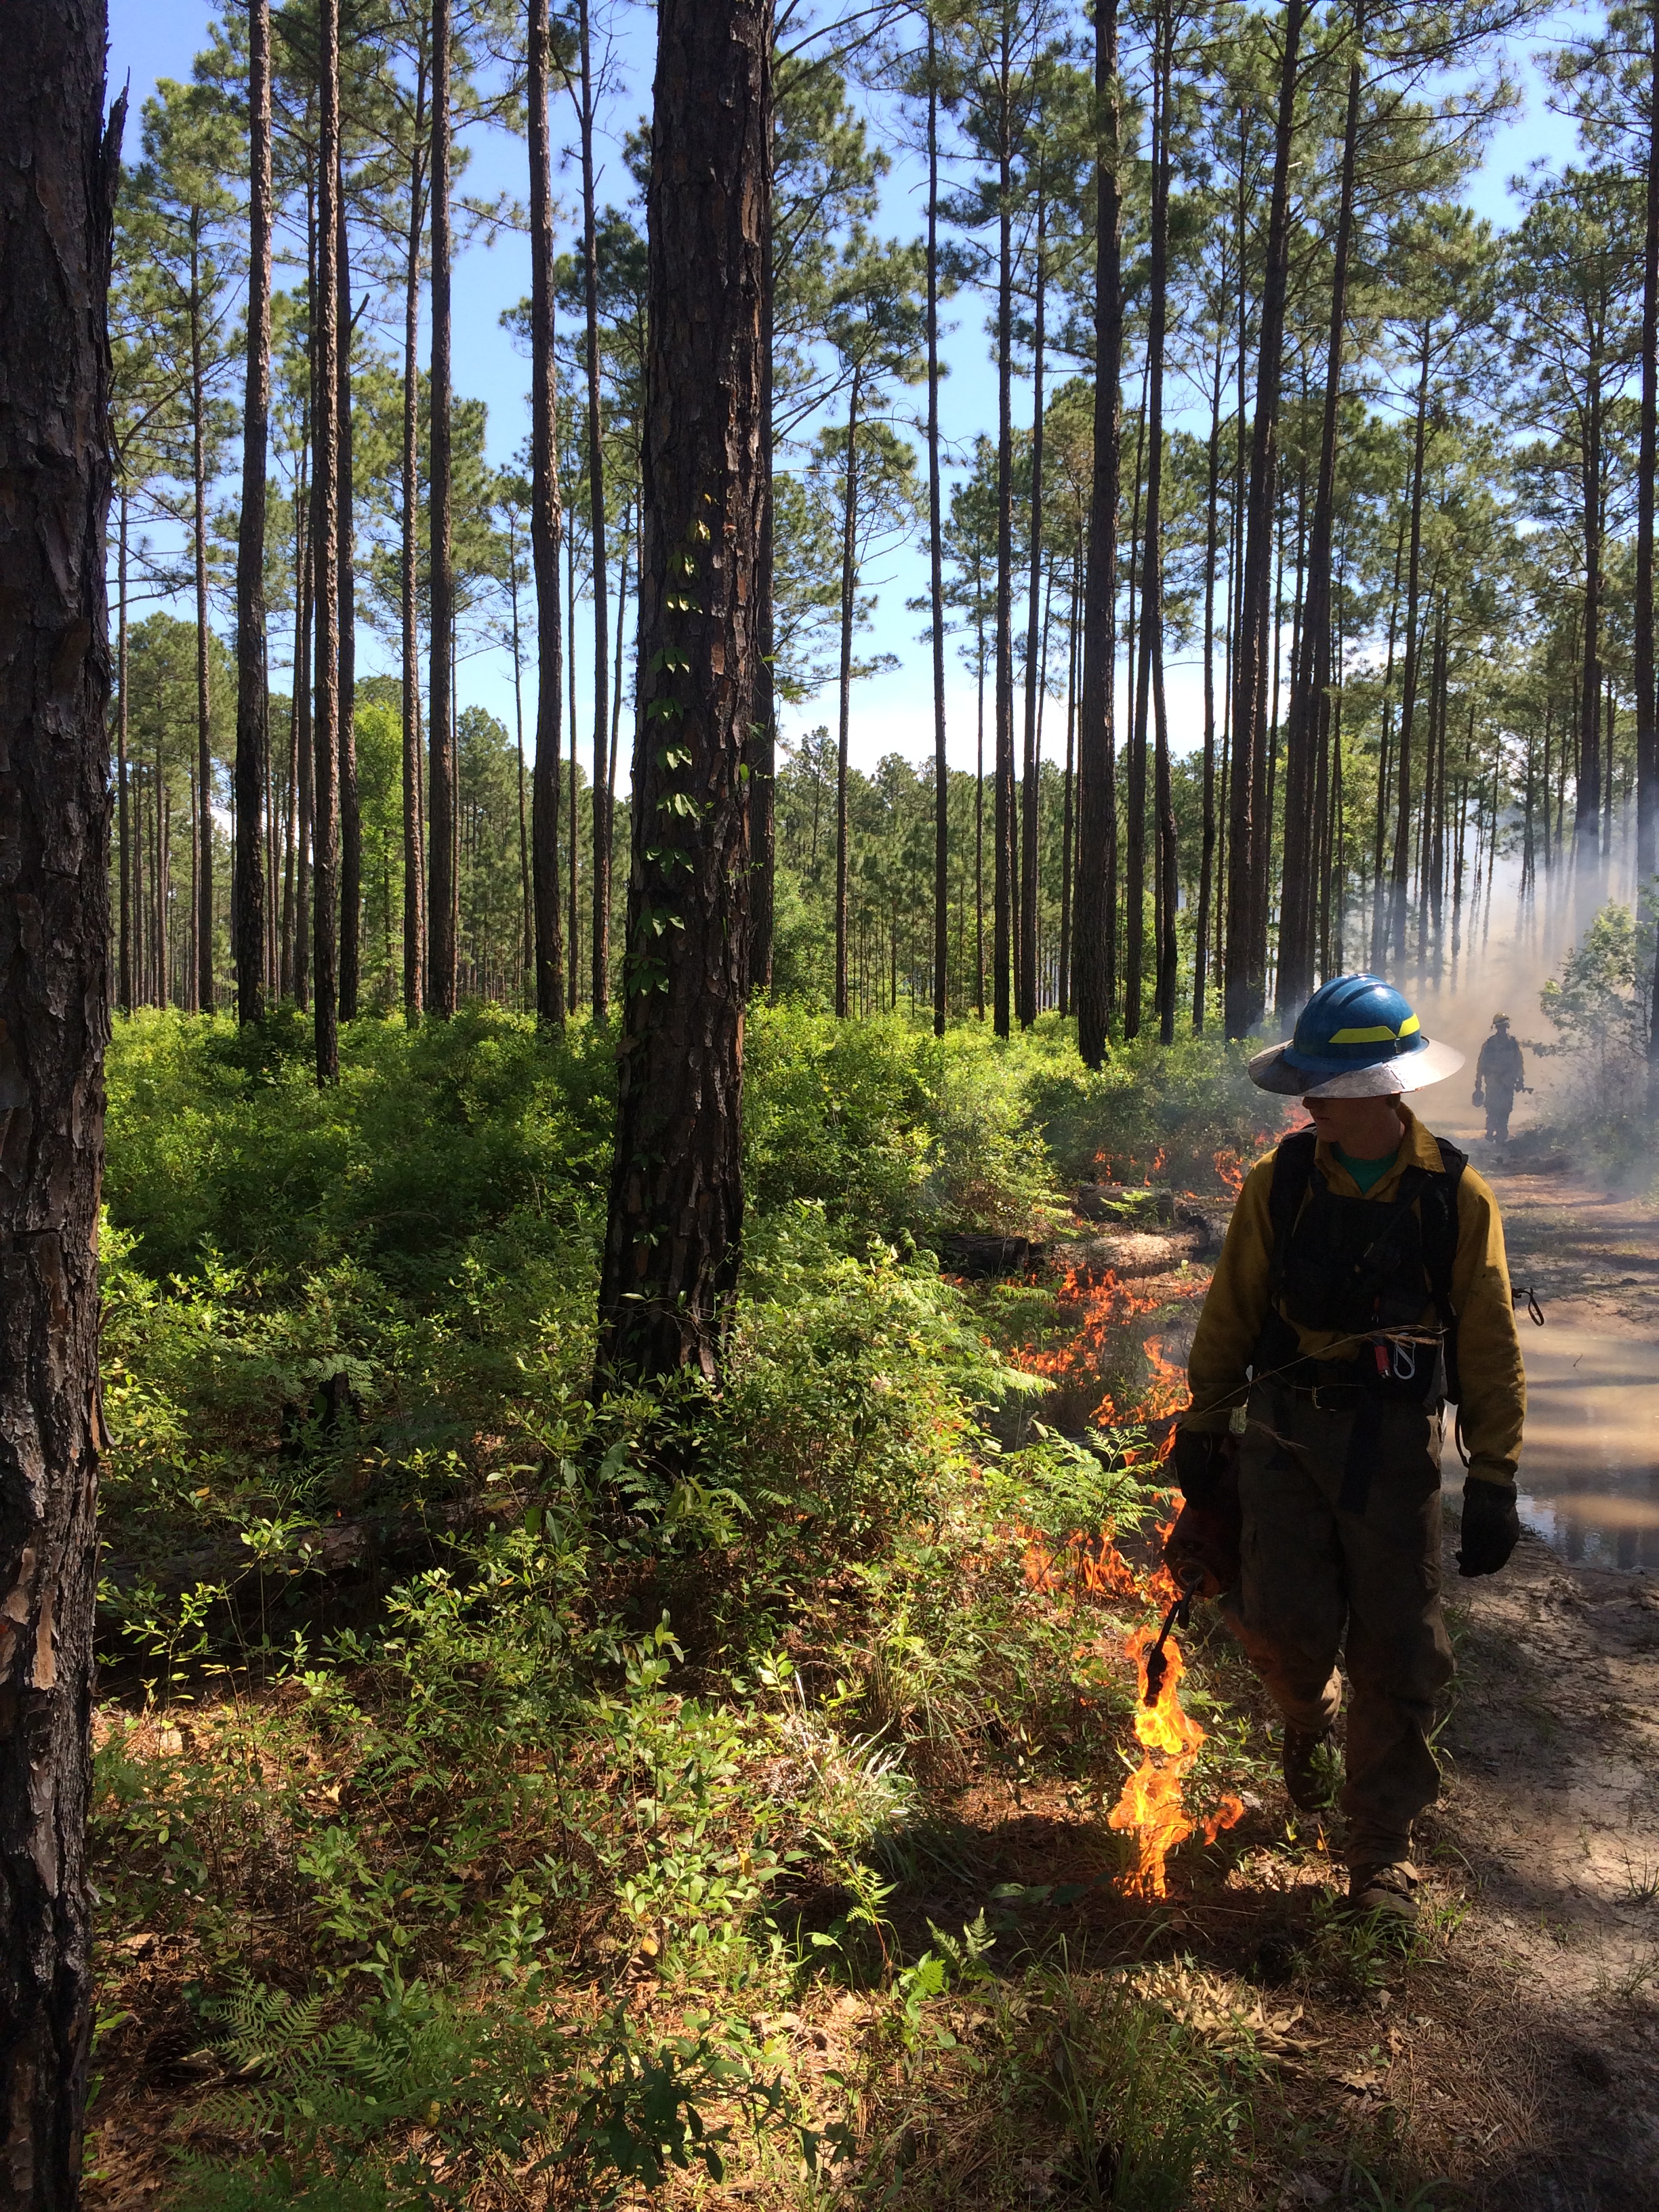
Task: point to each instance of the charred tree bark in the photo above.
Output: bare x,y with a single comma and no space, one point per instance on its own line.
1095,958
544,544
1251,825
57,175
253,691
441,733
675,1218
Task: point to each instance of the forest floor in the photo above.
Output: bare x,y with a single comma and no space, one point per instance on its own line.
868,1868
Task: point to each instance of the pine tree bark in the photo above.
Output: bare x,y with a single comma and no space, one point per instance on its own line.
936,559
58,168
1095,957
844,694
1587,811
1399,886
601,872
351,823
1311,674
674,1225
1647,720
441,912
544,544
414,854
1005,887
199,990
325,466
1208,839
123,811
1251,825
1034,670
763,743
253,690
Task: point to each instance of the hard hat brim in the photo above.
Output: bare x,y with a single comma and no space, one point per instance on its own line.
1276,1070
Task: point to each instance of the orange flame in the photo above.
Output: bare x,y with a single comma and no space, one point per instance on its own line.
1152,1806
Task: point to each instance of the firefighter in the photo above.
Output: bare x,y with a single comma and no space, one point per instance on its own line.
1499,1073
1362,1282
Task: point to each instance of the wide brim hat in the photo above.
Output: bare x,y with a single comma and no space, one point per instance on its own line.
1417,1063
1356,1037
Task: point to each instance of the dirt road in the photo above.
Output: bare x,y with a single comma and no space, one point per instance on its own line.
1553,1810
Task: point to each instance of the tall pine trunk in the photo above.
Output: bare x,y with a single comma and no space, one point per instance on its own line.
602,809
1035,671
674,1224
1003,890
1399,886
200,991
1206,863
124,943
326,339
545,545
247,930
936,557
414,855
57,176
442,913
1588,804
1251,825
848,594
1312,670
1096,922
352,823
1647,734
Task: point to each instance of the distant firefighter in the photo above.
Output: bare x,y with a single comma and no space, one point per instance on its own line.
1499,1073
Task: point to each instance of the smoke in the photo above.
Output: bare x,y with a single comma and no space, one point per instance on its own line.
1495,957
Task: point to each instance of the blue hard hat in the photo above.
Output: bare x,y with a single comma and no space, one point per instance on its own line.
1356,1037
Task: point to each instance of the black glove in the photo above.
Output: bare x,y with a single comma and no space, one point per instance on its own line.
1197,1459
1492,1527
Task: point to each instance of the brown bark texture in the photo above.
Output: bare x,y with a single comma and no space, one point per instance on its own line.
351,819
325,440
252,772
599,889
58,173
544,544
1096,896
675,1210
1251,799
440,915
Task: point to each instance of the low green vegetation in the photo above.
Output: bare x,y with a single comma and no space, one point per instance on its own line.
502,1800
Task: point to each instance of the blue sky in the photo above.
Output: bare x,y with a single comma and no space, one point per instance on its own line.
891,712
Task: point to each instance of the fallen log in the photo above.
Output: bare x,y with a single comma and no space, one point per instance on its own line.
981,1258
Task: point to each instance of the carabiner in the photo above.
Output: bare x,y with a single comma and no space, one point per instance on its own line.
1404,1360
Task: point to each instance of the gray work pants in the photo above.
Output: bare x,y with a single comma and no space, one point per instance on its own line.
1319,1577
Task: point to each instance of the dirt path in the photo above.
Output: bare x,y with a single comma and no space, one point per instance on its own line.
1553,1804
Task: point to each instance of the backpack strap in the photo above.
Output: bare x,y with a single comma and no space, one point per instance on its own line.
1293,1174
1438,1206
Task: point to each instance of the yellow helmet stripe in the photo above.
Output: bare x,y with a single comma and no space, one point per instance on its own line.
1381,1034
